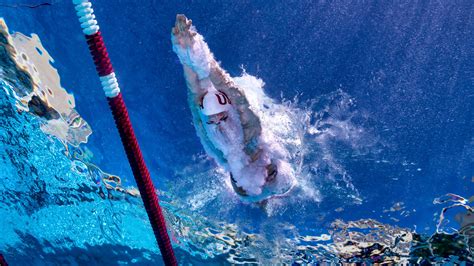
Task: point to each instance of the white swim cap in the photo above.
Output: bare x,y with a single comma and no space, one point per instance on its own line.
215,102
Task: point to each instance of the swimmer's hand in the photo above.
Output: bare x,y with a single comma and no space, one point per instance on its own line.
183,34
190,47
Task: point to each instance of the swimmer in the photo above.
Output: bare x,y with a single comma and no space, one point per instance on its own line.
229,130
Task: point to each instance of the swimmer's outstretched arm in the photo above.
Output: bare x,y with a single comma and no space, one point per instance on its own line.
203,72
194,55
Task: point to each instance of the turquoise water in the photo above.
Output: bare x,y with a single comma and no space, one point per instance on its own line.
373,101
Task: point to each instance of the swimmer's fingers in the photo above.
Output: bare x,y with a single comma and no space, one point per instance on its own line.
183,26
183,32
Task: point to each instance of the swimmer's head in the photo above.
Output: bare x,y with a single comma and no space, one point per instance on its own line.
215,102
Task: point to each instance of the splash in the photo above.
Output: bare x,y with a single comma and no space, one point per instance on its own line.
309,134
280,129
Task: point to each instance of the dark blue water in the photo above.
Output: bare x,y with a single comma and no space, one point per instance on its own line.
393,80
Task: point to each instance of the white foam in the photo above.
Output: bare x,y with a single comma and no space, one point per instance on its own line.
277,127
302,135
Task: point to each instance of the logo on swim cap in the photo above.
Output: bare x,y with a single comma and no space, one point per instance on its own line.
215,102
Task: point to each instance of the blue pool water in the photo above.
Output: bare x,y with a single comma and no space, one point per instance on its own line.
381,101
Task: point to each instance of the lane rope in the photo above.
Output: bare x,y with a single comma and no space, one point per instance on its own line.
3,262
111,89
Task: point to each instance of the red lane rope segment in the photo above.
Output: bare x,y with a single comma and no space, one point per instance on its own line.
145,185
99,54
134,155
3,262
